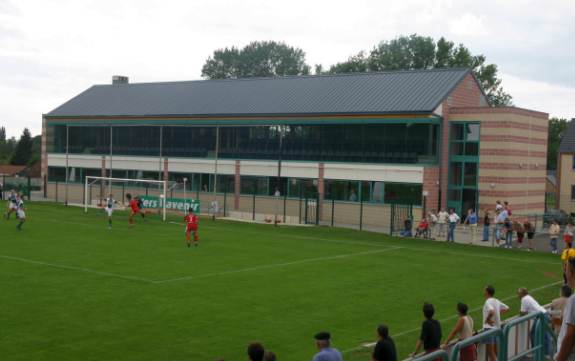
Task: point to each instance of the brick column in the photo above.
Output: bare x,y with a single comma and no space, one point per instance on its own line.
166,173
430,184
444,156
237,186
320,188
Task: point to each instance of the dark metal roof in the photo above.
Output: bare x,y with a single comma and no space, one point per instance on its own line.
568,139
417,91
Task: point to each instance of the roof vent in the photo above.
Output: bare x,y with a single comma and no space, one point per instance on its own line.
120,79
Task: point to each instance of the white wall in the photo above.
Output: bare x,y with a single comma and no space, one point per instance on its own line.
294,169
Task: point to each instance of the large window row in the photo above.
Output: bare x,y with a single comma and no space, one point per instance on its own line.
368,143
339,190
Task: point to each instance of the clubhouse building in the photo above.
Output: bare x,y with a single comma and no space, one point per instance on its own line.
425,137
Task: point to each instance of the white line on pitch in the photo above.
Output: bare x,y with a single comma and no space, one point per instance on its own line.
407,332
277,265
79,269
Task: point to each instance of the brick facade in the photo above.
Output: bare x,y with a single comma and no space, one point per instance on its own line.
431,186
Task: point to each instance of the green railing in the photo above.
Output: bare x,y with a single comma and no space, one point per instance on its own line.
479,338
535,347
435,355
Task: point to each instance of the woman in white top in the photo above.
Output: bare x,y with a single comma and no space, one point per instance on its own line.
463,329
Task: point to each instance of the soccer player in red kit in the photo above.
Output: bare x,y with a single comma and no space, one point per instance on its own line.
191,227
134,209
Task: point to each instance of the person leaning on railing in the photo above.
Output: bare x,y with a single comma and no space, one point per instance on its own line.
463,329
566,339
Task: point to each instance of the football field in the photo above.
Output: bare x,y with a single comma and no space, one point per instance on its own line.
70,289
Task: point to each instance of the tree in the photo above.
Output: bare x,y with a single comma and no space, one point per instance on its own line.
257,59
23,151
557,128
419,52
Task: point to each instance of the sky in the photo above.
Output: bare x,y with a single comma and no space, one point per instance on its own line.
51,50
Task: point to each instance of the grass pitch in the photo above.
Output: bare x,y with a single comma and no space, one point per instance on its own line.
72,290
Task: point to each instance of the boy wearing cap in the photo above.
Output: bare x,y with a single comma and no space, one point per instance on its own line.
326,353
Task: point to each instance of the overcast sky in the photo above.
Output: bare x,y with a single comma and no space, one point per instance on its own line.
52,50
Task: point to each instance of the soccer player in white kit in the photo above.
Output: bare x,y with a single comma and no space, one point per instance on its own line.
109,208
12,204
20,212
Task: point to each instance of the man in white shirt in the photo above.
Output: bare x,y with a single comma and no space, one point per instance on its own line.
441,221
453,218
529,305
566,339
492,310
499,221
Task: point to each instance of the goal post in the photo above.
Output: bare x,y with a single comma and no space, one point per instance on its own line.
89,180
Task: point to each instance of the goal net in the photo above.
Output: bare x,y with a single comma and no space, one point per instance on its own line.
151,192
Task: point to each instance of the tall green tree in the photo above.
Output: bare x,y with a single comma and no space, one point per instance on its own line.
557,127
257,59
421,52
23,151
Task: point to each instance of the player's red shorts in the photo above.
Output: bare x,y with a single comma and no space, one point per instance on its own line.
135,210
191,228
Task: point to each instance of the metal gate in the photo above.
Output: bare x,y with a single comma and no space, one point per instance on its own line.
399,214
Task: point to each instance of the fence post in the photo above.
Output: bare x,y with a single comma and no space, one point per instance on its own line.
285,203
332,209
317,210
225,198
300,199
360,211
147,186
56,191
305,207
45,186
124,190
29,186
3,186
254,201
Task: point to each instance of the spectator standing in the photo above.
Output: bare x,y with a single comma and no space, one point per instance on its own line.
453,220
507,207
520,231
486,225
568,235
508,233
352,196
498,206
492,310
530,305
463,329
499,224
430,337
554,231
566,339
530,230
442,217
326,353
256,351
471,222
432,219
385,347
557,307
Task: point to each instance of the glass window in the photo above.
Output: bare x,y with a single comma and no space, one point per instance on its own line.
470,175
139,140
472,149
472,132
377,189
456,148
341,190
250,184
56,174
403,193
455,173
305,188
275,185
454,195
573,192
457,132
